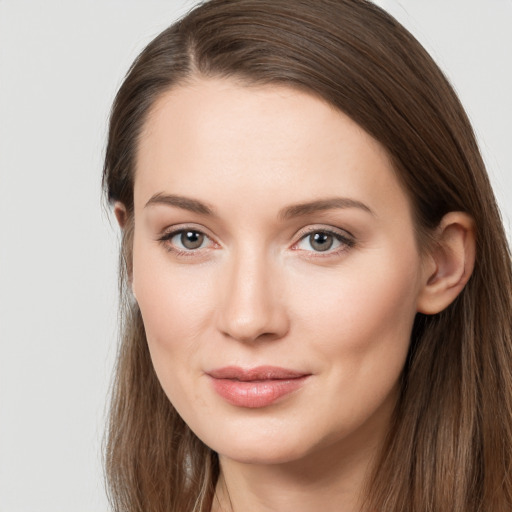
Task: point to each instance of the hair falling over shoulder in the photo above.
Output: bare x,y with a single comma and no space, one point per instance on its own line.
450,445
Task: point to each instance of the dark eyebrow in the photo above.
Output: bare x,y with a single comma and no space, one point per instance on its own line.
322,204
185,203
295,210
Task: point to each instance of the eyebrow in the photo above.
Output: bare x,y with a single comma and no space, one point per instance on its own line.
296,210
331,203
185,203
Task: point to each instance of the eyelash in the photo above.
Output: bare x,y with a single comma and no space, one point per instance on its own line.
346,242
166,238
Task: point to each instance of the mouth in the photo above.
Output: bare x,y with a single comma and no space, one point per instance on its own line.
256,387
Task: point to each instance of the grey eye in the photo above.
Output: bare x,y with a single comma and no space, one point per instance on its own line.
191,239
324,241
321,241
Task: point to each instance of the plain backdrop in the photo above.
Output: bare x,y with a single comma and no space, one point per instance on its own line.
60,65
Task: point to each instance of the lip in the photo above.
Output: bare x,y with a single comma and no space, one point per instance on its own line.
255,387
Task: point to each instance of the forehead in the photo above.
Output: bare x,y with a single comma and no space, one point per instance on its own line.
218,138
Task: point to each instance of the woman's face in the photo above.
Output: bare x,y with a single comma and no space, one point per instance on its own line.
276,268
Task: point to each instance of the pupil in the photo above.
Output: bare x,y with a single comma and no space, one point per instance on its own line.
321,241
192,239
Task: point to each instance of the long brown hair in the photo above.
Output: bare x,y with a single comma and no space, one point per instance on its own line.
450,445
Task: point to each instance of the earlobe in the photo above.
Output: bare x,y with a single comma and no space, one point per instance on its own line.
450,263
120,213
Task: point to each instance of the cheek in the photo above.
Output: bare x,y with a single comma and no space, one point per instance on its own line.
175,306
167,295
361,330
365,320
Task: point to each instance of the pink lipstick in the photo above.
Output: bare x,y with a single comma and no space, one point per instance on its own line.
255,387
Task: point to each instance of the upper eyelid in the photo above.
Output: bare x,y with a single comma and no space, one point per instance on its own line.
170,231
325,229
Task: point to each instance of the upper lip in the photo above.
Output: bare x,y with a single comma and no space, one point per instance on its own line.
257,373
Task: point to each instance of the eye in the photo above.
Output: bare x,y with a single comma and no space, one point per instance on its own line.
186,240
324,241
189,239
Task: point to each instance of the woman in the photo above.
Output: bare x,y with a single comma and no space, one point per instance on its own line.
315,278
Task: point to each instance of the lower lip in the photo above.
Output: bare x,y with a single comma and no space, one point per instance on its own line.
257,393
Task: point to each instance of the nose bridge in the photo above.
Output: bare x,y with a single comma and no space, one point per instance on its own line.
252,305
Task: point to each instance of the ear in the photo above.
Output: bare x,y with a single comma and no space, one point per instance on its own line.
449,264
122,218
120,213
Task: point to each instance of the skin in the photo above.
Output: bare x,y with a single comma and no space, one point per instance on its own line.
258,292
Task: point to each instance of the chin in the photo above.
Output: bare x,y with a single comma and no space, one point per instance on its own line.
264,454
258,447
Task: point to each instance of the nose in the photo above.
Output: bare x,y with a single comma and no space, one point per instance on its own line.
252,305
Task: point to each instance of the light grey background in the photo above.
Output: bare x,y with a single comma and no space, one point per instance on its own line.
60,65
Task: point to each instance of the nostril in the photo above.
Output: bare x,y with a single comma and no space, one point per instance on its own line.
248,330
265,324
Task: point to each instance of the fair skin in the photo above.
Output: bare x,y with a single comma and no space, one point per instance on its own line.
300,255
